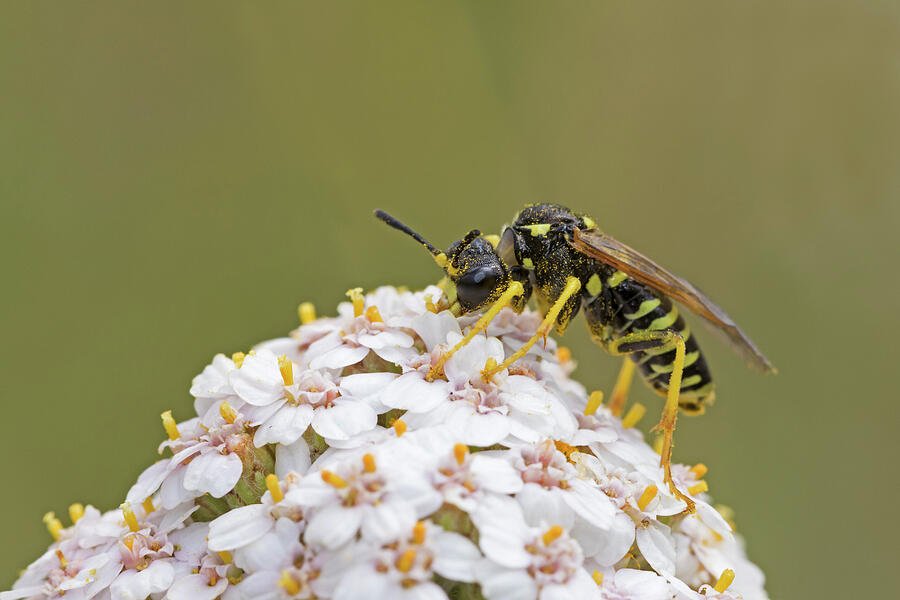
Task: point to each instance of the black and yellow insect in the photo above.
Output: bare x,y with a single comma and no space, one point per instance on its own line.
569,265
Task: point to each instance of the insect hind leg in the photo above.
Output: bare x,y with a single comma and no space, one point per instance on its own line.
658,340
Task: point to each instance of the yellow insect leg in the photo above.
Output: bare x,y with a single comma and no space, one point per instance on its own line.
623,384
515,289
573,284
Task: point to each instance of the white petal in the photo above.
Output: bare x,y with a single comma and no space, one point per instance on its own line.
196,587
655,542
477,429
344,419
256,586
285,426
455,556
191,543
239,527
340,357
213,381
411,392
364,385
172,491
137,585
541,505
362,583
258,381
502,531
470,359
387,521
213,473
292,458
333,526
495,475
433,328
611,546
498,583
590,503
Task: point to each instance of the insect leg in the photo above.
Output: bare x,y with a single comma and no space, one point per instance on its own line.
623,384
573,284
515,289
668,339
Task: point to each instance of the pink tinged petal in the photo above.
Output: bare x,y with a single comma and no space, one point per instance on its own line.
641,585
190,543
258,381
239,527
213,381
455,556
292,458
260,414
24,592
344,419
655,542
103,578
333,526
340,357
495,475
433,328
148,481
87,572
609,548
213,473
541,505
505,584
285,426
387,521
590,503
137,585
176,516
411,392
196,587
172,491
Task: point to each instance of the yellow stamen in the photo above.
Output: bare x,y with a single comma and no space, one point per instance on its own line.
460,451
373,315
551,534
225,555
698,488
594,402
489,366
406,560
76,511
399,427
419,533
238,359
54,525
333,479
359,301
429,304
724,581
515,289
368,463
647,497
130,519
62,559
699,470
563,355
635,414
227,413
598,577
307,312
169,425
147,504
274,487
658,444
129,542
287,369
288,584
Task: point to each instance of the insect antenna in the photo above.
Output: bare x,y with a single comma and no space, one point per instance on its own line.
439,256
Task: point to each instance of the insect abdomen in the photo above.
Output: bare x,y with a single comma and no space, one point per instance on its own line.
640,309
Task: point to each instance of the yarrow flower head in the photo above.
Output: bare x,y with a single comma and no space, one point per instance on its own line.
354,459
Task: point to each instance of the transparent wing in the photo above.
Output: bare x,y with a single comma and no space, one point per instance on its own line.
608,250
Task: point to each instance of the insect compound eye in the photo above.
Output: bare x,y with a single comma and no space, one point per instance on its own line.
474,287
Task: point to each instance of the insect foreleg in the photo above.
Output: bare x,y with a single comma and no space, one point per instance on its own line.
573,284
664,340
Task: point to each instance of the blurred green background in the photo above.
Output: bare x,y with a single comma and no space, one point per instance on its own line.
176,177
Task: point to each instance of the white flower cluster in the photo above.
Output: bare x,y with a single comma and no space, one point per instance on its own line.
334,464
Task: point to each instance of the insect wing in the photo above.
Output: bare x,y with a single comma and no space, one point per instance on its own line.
608,250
